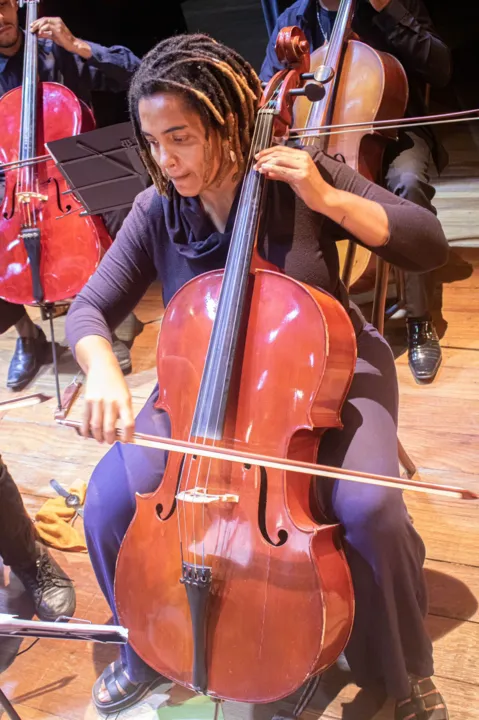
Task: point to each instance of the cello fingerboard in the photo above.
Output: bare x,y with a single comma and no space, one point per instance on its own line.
208,421
28,125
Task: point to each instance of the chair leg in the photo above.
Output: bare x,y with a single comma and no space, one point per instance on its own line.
380,294
401,287
349,264
406,461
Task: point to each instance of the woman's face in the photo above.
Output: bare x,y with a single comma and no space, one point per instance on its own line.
178,142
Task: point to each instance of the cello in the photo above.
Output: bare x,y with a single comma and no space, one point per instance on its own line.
206,510
47,249
240,546
360,85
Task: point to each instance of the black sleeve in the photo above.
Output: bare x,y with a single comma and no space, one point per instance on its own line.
409,31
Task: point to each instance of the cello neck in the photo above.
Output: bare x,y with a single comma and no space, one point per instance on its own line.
27,147
208,421
321,112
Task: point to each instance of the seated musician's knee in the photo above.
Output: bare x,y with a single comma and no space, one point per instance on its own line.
411,186
377,513
108,507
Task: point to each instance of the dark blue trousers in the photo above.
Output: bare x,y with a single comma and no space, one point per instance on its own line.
384,551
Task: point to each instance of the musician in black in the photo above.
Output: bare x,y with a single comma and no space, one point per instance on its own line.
50,589
404,29
83,67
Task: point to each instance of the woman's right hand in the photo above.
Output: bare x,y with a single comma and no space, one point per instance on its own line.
107,396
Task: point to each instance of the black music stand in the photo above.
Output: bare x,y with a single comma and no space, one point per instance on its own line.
103,167
11,625
105,173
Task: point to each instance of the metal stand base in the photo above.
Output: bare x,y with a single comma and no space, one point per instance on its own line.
49,312
8,707
76,630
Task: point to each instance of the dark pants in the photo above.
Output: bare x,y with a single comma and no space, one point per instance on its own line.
384,551
17,532
10,314
408,163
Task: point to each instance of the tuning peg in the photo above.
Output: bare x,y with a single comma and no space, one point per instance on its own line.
322,74
314,91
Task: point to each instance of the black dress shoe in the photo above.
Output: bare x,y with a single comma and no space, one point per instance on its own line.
26,361
123,355
51,590
424,351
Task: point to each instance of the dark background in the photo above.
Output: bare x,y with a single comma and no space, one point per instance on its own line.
240,23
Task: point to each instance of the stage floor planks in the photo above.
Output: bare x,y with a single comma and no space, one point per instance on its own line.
439,426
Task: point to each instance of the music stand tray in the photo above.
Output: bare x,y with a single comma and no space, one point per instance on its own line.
102,167
10,625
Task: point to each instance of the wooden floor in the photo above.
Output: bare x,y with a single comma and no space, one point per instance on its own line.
439,426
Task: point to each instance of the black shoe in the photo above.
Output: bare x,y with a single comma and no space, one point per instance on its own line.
51,590
424,351
123,356
26,361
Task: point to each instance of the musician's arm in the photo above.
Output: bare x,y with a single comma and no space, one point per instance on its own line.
111,68
399,231
101,67
118,284
409,31
113,291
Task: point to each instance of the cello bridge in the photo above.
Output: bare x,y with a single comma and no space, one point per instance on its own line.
25,197
201,496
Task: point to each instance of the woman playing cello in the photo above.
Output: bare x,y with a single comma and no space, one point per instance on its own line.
193,104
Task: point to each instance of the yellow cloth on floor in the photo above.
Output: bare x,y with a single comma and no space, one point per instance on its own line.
53,522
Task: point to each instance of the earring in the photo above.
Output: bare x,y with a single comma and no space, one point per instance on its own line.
233,156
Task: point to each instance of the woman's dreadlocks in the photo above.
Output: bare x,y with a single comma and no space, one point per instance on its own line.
218,83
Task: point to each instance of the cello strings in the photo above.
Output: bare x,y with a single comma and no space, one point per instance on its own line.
32,170
262,130
186,484
243,221
313,107
246,191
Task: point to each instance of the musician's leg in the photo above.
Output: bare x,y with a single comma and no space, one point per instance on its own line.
110,505
30,347
10,315
408,177
130,327
17,533
50,589
385,553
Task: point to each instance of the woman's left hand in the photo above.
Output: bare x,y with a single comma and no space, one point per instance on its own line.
297,169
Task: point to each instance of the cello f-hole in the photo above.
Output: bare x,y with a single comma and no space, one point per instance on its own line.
159,507
6,215
62,209
263,495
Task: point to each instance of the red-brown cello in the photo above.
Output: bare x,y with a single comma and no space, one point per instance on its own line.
361,85
47,249
225,580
